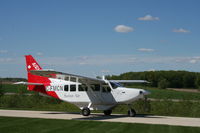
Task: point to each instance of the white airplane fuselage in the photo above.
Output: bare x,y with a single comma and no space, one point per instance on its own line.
94,99
84,92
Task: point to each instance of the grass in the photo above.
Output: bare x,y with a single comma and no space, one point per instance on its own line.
166,107
169,94
172,94
11,88
155,93
35,125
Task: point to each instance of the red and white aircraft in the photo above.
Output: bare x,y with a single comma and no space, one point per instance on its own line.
86,93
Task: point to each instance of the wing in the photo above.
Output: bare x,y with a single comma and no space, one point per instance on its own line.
129,81
28,83
66,76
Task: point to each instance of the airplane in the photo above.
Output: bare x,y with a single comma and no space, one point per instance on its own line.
84,92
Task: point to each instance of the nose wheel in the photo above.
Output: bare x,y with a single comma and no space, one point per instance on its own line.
85,111
131,113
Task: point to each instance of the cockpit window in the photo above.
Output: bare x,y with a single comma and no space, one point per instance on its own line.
115,85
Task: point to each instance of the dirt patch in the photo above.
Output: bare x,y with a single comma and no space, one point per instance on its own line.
185,90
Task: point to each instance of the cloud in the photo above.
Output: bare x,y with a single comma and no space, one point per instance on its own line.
191,60
6,60
145,50
3,51
39,54
148,18
105,71
123,29
181,30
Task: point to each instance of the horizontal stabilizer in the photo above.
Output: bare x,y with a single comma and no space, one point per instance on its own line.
28,83
130,81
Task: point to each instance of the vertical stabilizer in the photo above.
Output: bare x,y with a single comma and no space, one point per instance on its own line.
31,63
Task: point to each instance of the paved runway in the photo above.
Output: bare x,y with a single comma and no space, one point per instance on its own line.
147,119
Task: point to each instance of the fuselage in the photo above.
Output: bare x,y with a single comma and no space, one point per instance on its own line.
94,96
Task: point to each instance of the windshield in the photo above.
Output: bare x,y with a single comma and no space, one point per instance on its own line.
115,85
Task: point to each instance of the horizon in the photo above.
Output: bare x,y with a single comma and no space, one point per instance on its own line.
95,38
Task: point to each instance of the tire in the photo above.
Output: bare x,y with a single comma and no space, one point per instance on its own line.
85,111
131,113
107,112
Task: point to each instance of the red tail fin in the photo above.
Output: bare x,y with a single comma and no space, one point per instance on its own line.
31,63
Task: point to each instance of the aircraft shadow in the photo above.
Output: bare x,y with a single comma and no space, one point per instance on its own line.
103,117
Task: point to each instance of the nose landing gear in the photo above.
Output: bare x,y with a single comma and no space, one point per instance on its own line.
131,112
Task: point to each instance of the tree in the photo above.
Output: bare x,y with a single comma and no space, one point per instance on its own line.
163,84
1,88
197,82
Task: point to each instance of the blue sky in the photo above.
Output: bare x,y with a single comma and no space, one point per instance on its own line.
96,37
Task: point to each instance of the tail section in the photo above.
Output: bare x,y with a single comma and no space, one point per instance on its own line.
31,63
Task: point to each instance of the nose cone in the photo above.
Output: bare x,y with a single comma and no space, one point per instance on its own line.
144,92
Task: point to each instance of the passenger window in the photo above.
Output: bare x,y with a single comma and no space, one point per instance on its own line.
95,87
73,79
66,88
67,78
72,87
106,88
82,87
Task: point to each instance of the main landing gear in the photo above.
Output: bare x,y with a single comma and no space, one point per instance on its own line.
85,111
107,112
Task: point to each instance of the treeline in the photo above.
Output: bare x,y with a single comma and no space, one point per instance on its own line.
7,80
163,79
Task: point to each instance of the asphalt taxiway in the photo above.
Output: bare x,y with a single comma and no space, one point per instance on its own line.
146,119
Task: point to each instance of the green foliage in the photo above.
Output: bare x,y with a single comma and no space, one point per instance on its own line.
11,88
1,89
197,82
12,79
175,79
163,84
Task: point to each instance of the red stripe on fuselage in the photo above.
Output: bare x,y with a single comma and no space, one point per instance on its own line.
40,88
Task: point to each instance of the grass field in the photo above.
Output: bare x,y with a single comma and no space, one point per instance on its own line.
155,93
33,125
172,94
11,88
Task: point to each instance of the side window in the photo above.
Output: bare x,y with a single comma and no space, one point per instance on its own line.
106,88
67,78
66,87
73,79
82,87
72,87
95,87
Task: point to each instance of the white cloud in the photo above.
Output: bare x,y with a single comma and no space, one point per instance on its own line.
3,51
6,60
39,54
123,29
181,30
105,71
193,61
148,18
145,50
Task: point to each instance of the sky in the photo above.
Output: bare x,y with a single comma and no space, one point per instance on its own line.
99,37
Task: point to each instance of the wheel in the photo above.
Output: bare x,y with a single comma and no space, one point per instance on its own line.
85,111
107,112
131,113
